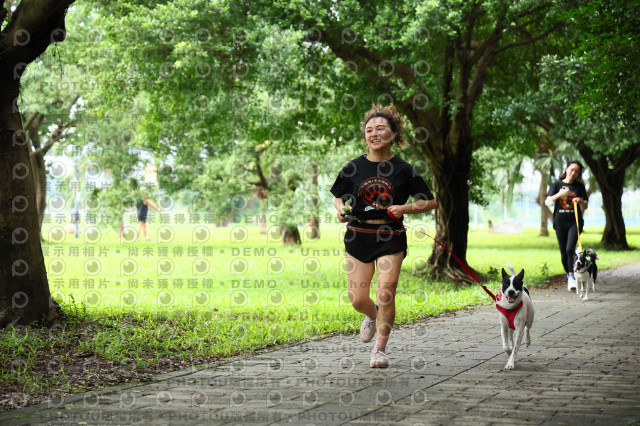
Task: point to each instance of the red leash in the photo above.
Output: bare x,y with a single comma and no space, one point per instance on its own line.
462,264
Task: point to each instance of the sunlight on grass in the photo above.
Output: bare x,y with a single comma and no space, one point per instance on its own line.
137,303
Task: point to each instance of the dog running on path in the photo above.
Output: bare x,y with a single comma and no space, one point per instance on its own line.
516,313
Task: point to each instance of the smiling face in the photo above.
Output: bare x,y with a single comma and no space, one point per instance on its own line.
378,134
573,172
512,285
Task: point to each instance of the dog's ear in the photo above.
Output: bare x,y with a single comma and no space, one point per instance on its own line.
504,274
521,274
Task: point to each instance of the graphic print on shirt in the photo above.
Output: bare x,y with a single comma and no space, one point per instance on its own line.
568,203
376,192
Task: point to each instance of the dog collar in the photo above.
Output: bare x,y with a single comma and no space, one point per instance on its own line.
510,314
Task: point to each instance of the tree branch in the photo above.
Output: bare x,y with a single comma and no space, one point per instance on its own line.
56,136
368,62
447,81
492,40
35,25
262,180
30,120
546,125
3,14
366,59
626,158
479,75
530,40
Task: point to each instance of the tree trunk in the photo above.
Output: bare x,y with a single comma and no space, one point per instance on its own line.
452,219
545,213
610,176
315,228
450,169
24,290
315,222
38,166
291,235
614,235
120,227
263,221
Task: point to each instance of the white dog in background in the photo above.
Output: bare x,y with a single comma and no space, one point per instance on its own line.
585,271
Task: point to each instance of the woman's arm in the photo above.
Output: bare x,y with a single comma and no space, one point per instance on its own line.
418,207
553,198
149,202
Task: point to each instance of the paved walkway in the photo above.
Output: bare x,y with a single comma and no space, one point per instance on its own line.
583,366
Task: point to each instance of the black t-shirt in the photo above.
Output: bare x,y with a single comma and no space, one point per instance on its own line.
375,186
143,209
563,214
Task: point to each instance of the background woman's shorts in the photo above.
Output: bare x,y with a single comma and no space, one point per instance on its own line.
368,247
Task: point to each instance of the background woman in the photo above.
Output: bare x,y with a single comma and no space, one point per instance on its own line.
565,194
143,210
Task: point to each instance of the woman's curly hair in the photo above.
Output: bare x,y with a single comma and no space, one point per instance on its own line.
396,122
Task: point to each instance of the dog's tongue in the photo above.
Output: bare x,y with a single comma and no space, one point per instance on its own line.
511,299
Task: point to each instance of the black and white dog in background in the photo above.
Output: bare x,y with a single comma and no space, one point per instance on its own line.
585,272
516,313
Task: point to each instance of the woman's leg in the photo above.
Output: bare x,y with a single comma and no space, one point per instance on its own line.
388,273
359,277
570,247
561,235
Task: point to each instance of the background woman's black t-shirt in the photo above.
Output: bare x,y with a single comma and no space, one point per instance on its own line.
143,210
563,213
375,186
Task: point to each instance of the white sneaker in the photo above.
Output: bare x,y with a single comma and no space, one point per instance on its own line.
147,238
571,282
137,239
379,359
368,328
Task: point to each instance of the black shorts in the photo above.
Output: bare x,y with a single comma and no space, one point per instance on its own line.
368,247
142,219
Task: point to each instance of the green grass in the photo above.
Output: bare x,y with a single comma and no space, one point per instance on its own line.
200,301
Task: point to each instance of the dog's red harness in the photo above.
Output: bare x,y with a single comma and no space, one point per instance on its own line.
510,314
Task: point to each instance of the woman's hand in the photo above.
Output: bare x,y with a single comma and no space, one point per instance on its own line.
420,206
340,206
397,211
583,203
563,193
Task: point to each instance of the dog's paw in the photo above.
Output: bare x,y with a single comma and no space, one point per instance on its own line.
585,298
509,366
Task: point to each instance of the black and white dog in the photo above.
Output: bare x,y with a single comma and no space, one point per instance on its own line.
516,313
585,272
